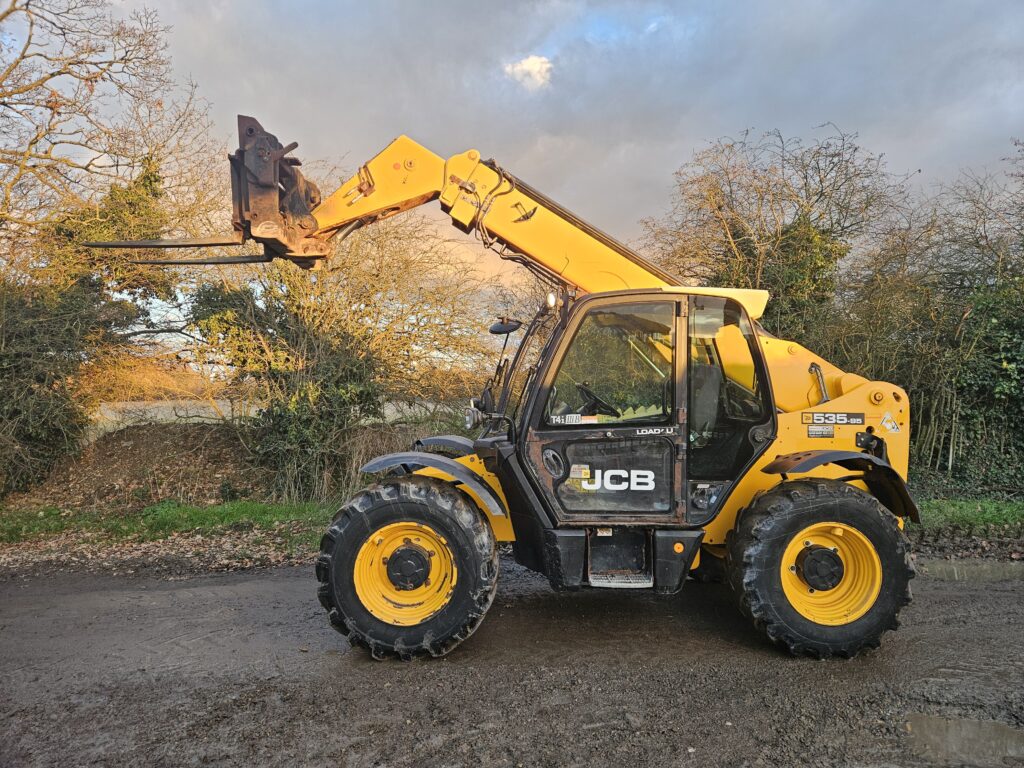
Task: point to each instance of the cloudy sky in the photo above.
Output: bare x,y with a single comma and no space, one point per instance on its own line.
596,103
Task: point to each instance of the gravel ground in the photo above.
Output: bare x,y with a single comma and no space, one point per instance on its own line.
177,556
242,669
190,554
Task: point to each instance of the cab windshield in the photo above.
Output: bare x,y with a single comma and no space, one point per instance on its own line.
618,368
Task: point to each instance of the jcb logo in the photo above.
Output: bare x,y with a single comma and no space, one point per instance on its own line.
620,480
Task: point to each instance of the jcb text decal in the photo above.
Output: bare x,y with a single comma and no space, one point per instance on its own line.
620,480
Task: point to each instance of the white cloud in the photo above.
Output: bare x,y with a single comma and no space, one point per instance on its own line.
532,72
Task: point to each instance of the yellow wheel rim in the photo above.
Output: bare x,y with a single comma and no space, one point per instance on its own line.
424,569
858,587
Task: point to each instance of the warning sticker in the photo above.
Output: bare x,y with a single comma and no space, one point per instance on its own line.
821,430
579,472
890,423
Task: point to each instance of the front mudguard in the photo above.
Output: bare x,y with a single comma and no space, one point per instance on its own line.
452,446
487,496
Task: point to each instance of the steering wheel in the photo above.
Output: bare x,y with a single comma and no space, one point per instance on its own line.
595,404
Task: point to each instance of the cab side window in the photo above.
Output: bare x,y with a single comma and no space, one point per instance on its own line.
618,368
726,395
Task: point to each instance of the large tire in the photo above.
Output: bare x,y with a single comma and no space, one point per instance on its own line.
855,603
361,596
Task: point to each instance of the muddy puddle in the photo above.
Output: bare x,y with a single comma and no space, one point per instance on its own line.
971,570
949,741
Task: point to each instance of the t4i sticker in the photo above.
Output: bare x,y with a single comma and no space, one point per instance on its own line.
571,418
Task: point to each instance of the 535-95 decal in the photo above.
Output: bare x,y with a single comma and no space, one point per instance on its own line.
819,417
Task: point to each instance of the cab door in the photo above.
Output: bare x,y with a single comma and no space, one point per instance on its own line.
605,435
732,418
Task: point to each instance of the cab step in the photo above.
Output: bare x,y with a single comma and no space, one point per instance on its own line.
622,580
620,558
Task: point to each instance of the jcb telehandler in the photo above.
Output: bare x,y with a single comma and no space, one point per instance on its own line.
642,432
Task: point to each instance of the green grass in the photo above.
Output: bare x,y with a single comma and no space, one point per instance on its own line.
306,522
937,513
163,519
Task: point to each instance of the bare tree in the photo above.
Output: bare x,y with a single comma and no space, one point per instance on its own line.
736,201
71,76
393,318
775,213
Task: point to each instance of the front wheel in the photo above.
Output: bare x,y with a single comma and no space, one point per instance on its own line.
821,567
408,567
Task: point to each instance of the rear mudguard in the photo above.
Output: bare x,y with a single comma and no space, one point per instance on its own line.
467,471
883,482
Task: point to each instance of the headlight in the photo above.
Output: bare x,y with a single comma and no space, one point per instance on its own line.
474,418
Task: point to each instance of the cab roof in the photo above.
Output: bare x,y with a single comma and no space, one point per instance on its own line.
752,300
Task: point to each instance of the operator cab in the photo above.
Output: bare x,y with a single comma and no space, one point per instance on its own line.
646,408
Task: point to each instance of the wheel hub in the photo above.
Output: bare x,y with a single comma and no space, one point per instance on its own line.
404,573
831,573
820,567
408,567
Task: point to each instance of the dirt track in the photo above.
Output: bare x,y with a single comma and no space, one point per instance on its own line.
242,669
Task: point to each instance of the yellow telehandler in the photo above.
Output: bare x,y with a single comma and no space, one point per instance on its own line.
642,432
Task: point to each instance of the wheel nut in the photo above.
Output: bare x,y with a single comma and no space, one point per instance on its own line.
792,568
807,543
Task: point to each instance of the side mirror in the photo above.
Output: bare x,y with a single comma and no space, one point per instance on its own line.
505,325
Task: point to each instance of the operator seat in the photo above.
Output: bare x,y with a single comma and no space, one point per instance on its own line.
705,394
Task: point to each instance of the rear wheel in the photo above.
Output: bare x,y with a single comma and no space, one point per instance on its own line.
408,567
821,567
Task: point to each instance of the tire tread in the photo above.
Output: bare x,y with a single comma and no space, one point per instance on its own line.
353,519
749,544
